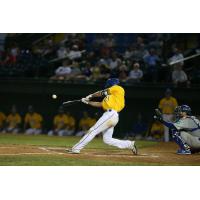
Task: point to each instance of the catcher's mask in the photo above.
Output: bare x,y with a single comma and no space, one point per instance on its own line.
182,108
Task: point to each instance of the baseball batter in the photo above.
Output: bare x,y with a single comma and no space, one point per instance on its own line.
113,102
185,130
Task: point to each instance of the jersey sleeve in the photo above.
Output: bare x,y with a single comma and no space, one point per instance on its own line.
175,103
112,90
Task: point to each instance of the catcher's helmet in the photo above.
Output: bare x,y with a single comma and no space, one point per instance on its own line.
182,108
186,109
111,81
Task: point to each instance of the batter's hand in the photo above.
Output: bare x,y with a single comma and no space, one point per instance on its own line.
84,100
88,97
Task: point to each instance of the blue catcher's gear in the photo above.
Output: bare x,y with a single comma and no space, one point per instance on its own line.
186,109
181,143
111,81
182,108
184,152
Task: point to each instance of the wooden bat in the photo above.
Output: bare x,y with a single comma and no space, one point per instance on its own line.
69,103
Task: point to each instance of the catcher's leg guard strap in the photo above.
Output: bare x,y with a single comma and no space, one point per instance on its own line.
181,143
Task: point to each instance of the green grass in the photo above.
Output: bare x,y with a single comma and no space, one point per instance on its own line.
57,160
55,141
47,160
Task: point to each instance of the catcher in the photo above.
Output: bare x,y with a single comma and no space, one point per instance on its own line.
112,103
185,130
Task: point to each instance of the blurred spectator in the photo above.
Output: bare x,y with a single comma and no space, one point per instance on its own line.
14,52
32,122
140,41
157,131
62,72
123,72
139,128
177,55
136,74
128,52
96,73
75,71
60,124
109,41
179,77
85,124
86,71
62,51
114,62
2,120
152,61
74,53
70,125
167,106
13,121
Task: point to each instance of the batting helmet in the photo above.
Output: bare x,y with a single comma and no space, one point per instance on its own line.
111,81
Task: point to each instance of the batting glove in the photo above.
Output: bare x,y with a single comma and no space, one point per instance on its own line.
84,100
88,97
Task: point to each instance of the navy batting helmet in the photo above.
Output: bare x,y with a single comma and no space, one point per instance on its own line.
111,81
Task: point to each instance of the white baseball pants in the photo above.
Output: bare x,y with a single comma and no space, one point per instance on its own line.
168,118
33,131
104,125
192,141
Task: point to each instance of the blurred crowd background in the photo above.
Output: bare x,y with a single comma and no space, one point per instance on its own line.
133,58
138,60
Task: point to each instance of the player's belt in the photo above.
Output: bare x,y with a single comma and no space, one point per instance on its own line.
109,110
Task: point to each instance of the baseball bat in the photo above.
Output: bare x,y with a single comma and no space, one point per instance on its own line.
69,103
184,59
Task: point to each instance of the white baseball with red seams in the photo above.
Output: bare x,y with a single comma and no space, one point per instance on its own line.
104,125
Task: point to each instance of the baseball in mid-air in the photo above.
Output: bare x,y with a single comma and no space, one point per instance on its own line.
54,96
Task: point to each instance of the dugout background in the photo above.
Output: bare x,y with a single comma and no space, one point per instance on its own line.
139,99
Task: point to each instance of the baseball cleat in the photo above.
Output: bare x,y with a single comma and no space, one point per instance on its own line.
134,148
183,152
72,151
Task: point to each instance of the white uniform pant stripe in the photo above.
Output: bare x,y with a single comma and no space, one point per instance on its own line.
105,125
91,134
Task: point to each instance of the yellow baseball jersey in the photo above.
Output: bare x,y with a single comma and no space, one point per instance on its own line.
13,120
115,99
168,105
88,122
2,118
157,127
71,121
34,120
60,120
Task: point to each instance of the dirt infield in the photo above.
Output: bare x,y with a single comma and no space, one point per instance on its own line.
160,154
